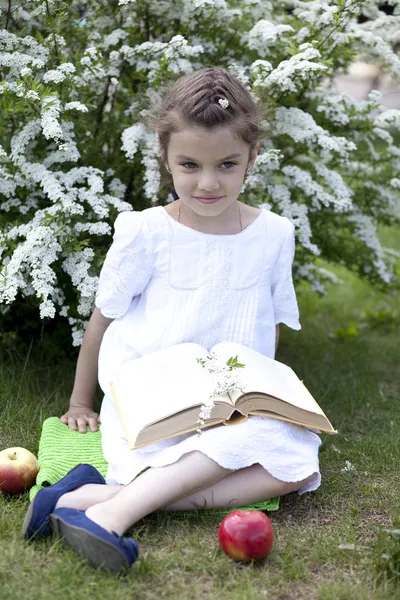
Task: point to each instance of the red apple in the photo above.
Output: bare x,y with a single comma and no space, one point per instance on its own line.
18,470
246,535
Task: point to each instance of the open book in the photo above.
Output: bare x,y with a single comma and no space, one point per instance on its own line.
159,395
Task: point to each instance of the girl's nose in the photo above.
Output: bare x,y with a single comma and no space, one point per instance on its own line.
208,181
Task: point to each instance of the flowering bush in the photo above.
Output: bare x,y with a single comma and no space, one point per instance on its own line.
79,78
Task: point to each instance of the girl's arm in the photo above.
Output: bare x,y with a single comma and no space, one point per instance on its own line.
80,412
276,338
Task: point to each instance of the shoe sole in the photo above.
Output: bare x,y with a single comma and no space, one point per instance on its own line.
99,553
27,523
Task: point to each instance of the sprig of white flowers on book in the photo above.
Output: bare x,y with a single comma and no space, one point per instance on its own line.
225,379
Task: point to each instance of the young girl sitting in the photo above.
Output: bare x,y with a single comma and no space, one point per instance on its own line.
206,268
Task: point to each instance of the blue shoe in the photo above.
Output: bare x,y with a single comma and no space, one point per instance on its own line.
109,551
37,519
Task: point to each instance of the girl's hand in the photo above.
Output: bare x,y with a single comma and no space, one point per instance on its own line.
79,416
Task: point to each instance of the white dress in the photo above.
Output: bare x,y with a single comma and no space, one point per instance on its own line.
163,284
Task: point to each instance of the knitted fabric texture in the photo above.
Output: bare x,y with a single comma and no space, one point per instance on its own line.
61,449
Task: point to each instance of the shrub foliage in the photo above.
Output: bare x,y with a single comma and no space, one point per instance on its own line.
79,79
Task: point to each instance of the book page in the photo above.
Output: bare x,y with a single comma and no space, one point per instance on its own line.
154,386
263,374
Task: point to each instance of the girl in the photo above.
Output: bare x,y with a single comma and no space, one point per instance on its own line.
206,268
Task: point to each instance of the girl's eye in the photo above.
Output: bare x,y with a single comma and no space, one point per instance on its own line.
193,165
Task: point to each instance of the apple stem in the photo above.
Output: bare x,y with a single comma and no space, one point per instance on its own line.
13,456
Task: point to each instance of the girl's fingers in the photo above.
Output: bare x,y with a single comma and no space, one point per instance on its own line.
81,421
93,424
72,423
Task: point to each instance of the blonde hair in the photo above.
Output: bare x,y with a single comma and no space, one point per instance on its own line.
193,101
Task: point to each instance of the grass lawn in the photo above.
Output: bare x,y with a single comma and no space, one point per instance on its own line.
356,379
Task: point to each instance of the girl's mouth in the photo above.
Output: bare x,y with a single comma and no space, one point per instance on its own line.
208,200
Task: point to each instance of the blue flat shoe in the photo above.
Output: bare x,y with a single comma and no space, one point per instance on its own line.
37,520
105,550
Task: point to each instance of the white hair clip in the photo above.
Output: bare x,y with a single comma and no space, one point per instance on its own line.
223,102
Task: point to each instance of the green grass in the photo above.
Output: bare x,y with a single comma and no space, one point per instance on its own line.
357,382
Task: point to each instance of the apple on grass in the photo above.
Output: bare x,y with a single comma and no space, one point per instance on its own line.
18,470
246,535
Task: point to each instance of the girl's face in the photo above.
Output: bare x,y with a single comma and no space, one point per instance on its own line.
208,168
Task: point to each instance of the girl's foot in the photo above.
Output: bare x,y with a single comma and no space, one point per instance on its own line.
103,549
37,519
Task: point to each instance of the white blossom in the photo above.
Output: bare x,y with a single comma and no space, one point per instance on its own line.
99,228
264,34
117,187
147,56
348,467
224,380
114,38
47,309
77,266
131,137
290,74
21,140
39,251
366,231
200,10
152,169
32,95
340,190
76,106
378,48
67,151
317,276
77,329
51,108
390,117
301,127
60,73
241,72
299,178
260,69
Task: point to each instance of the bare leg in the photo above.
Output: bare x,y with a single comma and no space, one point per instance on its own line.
88,495
242,487
177,486
92,494
155,488
245,486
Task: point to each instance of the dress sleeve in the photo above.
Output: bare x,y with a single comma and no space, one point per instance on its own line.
127,267
283,294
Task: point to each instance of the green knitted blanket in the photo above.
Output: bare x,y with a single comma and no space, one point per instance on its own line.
61,449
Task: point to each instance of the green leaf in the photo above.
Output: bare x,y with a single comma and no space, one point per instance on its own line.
233,363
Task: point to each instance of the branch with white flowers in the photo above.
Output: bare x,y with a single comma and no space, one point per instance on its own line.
224,380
